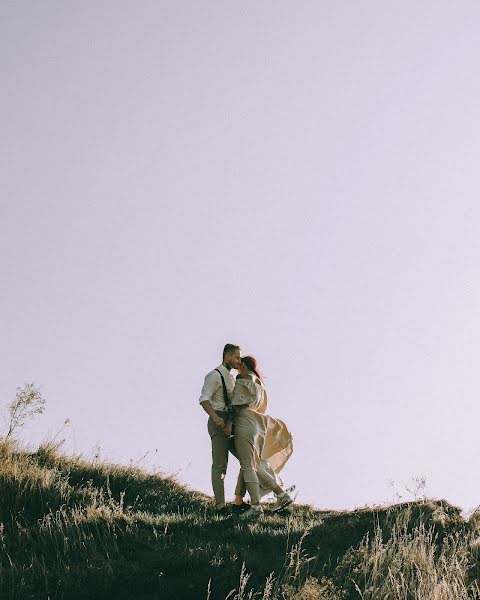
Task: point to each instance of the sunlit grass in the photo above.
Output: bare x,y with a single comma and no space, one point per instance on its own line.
71,528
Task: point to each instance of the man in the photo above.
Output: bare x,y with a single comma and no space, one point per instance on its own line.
213,402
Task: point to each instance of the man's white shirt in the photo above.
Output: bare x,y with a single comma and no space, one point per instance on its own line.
212,389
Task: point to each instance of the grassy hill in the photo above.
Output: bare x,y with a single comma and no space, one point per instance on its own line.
76,529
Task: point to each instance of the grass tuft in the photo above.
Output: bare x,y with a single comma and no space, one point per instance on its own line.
75,529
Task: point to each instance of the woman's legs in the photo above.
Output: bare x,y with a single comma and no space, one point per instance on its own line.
266,483
266,478
244,450
263,476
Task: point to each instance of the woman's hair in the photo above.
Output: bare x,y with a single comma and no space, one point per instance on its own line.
251,364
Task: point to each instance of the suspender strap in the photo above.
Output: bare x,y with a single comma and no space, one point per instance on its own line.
225,393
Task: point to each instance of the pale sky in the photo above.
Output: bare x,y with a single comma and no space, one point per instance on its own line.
298,178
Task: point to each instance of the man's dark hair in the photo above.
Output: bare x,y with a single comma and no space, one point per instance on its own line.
230,349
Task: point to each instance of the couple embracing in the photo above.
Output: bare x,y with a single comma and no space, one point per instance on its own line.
238,424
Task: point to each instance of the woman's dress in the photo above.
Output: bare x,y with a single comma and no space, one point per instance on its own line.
263,443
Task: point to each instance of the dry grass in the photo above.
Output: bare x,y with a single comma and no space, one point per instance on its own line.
71,528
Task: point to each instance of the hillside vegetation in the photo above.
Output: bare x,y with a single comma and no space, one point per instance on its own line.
70,528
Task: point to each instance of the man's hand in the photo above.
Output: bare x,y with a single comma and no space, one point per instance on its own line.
227,429
219,422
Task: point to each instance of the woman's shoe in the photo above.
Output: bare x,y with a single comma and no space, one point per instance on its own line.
252,514
283,500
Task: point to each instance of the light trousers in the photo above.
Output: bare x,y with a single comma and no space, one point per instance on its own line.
255,474
221,446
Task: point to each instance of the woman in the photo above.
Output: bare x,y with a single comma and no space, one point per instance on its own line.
263,444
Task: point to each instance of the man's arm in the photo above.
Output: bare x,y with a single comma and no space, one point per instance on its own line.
207,407
210,386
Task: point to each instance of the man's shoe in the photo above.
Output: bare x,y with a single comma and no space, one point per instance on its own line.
283,500
240,508
252,514
223,511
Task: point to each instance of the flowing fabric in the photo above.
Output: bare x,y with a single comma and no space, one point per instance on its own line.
271,443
